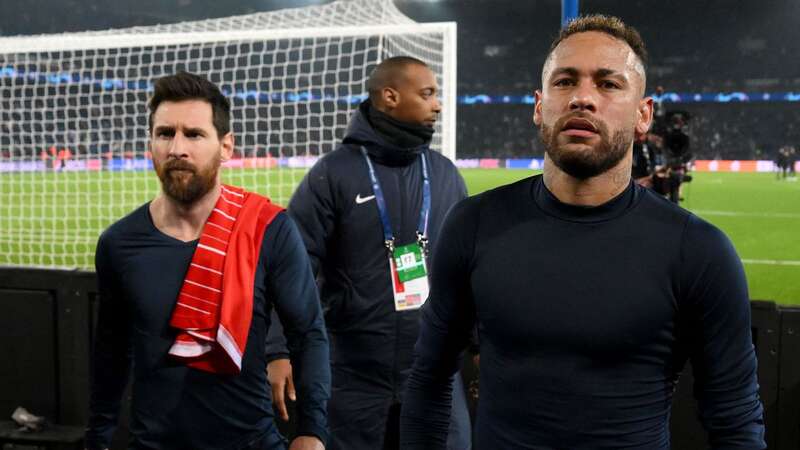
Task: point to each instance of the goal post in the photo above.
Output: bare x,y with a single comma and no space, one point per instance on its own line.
73,115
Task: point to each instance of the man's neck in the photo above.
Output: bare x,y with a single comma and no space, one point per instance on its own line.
403,135
180,221
589,192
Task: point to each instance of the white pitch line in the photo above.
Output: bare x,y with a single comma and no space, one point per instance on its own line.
706,212
772,262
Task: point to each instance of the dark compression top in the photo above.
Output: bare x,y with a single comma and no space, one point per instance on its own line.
586,317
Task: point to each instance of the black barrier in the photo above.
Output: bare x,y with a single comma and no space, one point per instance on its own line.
46,329
45,325
788,410
45,336
766,338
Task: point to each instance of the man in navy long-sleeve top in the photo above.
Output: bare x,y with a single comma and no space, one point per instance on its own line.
192,391
590,292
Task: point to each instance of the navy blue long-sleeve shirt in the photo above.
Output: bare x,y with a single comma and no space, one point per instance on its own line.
586,317
140,272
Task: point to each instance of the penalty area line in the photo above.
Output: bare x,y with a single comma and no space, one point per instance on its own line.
771,262
705,212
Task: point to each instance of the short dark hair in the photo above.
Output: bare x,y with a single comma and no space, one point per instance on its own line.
188,86
387,73
610,25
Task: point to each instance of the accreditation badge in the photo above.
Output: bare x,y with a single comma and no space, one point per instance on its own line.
409,262
409,277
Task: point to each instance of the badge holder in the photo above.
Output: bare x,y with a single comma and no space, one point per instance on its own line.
409,274
407,266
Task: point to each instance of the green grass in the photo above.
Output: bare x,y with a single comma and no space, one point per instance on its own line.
760,214
479,180
54,219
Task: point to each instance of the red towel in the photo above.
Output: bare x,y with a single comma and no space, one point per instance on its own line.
215,305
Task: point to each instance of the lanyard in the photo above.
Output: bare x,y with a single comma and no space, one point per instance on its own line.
422,227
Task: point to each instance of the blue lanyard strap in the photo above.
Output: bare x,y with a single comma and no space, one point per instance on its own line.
422,228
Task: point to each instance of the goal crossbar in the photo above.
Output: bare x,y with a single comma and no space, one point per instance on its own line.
80,41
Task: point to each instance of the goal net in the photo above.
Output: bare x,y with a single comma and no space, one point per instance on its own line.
73,110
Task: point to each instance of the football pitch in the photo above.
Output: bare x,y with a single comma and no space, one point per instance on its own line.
759,213
54,219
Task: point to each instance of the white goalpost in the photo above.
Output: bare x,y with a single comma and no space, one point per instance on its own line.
73,114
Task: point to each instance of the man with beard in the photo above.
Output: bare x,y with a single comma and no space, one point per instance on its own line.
590,292
364,209
187,282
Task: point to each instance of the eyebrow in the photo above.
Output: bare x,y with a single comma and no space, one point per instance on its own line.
195,130
573,72
602,73
161,128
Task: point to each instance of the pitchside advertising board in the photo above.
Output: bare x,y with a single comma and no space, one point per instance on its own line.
140,164
697,166
305,162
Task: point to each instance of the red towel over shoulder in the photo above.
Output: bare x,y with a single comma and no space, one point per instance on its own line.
215,305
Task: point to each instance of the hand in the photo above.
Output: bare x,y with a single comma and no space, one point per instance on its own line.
306,443
279,374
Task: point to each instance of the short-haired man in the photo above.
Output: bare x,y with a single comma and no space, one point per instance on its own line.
364,210
187,282
590,292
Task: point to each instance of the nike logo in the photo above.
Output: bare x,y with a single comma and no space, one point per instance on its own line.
360,199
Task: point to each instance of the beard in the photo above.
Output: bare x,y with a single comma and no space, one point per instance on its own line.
586,163
183,182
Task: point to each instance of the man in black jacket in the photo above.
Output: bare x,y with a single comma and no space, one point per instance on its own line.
367,213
